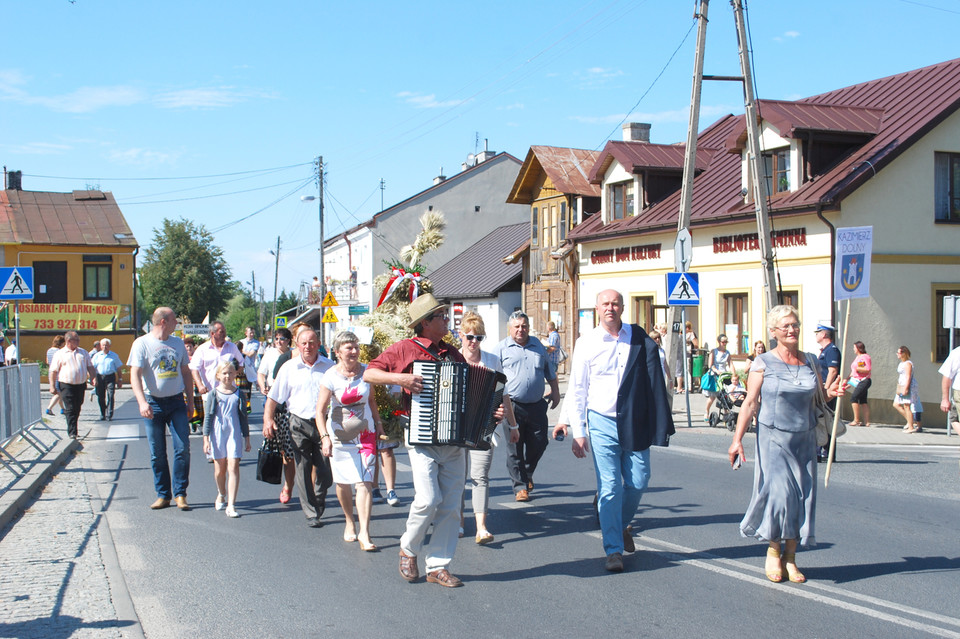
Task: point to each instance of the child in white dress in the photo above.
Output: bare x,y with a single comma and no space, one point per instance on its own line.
226,434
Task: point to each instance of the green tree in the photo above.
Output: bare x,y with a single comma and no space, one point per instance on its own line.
286,301
185,270
241,313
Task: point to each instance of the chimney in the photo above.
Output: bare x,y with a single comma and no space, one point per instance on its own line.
440,178
15,180
486,154
636,132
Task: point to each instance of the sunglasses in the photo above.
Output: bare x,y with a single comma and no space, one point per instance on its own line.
471,338
438,315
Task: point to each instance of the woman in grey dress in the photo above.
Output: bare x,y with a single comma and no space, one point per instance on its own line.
782,388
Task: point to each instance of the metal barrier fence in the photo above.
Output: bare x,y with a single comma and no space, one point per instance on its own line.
20,406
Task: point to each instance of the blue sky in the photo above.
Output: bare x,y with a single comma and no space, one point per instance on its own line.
214,111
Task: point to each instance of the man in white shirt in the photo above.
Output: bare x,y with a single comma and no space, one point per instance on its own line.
950,388
209,355
297,385
12,354
108,365
617,389
71,367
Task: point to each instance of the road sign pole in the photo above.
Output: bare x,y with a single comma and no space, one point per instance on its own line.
687,382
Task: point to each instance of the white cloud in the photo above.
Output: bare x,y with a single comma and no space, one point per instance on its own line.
786,35
426,101
141,157
88,99
94,98
199,98
36,148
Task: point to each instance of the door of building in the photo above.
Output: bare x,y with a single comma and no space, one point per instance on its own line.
50,282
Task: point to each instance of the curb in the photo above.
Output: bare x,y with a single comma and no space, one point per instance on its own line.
16,498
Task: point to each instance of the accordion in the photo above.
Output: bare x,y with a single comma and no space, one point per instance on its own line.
456,405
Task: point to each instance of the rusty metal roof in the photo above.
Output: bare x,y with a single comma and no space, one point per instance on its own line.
912,104
479,271
643,156
83,218
565,167
792,119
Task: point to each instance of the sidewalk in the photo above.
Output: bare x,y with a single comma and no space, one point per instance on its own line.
61,577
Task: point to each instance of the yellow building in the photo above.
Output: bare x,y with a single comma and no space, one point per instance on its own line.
83,257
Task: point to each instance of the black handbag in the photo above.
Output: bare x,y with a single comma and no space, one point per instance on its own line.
270,462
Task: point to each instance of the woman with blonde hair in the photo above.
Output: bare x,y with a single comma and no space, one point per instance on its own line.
349,426
472,333
907,402
781,392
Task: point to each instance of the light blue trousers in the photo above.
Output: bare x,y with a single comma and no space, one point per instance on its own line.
622,476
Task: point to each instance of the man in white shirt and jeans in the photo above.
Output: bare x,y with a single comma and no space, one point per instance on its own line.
617,389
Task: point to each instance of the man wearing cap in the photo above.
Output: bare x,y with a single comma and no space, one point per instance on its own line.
438,471
829,363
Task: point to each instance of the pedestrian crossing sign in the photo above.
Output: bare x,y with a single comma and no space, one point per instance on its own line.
17,283
683,289
329,317
329,300
280,321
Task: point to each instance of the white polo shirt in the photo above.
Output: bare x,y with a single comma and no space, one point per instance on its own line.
298,385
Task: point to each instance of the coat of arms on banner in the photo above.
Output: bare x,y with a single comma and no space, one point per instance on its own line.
851,271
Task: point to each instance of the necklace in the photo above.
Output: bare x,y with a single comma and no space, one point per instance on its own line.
796,376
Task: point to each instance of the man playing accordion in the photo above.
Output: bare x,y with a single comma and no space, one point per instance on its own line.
438,471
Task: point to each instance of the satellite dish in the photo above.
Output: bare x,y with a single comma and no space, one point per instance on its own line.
470,159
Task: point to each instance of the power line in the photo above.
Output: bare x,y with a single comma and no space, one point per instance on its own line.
148,179
277,201
205,197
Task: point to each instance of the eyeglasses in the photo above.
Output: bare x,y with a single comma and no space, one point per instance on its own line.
471,338
438,315
281,339
787,327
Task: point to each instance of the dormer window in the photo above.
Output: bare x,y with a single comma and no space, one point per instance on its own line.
620,200
776,170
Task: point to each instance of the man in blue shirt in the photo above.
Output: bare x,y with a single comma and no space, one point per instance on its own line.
108,365
527,367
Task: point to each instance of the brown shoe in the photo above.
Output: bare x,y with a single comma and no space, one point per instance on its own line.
523,495
530,485
160,503
628,545
614,562
182,502
444,578
408,567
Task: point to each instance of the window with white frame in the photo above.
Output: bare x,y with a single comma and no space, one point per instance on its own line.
620,200
947,187
776,171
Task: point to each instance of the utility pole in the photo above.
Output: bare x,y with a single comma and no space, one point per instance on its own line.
323,281
276,270
253,286
676,342
755,163
383,186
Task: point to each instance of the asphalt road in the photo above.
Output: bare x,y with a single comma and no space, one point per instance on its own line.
886,563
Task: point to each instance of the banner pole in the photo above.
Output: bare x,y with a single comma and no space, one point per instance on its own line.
836,414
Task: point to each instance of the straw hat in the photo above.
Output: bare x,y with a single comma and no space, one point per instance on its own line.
422,307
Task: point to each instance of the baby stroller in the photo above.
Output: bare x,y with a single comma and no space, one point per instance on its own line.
730,396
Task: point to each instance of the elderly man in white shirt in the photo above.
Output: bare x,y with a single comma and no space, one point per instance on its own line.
617,389
298,385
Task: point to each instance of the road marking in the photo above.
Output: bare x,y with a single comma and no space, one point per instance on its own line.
822,593
119,431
